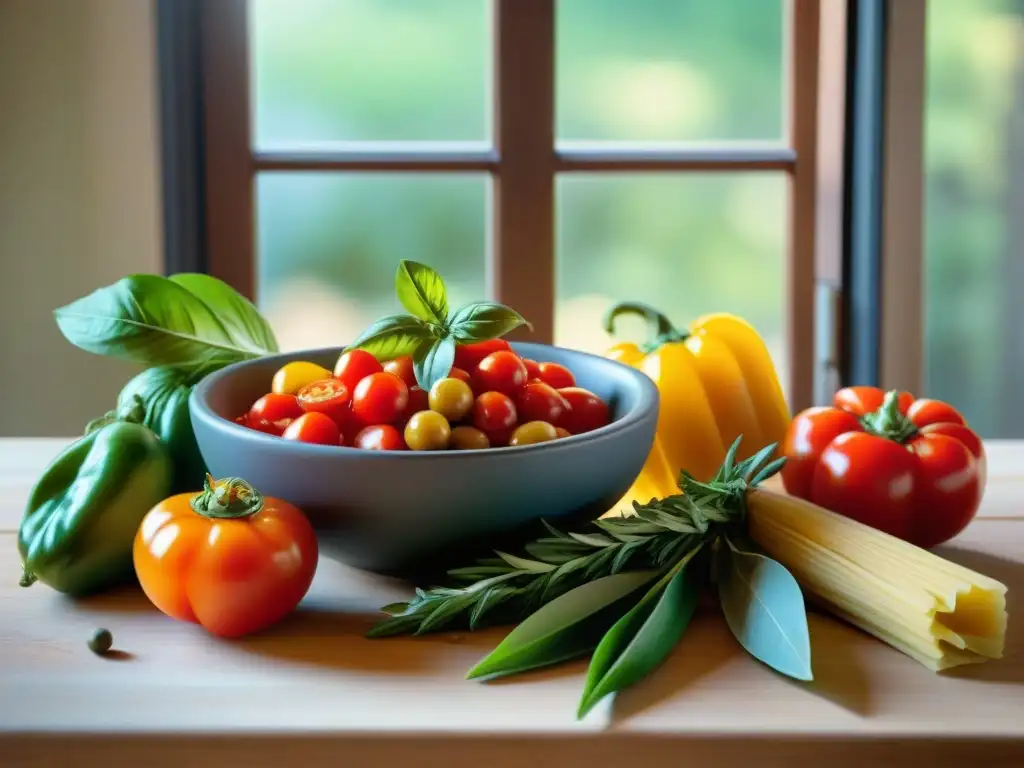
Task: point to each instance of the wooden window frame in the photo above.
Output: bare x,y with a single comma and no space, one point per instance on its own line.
523,163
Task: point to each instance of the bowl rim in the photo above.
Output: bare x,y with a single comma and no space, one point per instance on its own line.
199,407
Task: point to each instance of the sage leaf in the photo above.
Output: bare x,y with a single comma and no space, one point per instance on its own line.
433,361
482,321
422,292
394,336
567,627
244,323
153,320
642,638
764,609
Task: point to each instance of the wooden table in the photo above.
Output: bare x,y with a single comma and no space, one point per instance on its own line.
313,690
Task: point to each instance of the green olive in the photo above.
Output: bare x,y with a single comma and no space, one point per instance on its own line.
101,641
533,432
452,398
427,431
469,438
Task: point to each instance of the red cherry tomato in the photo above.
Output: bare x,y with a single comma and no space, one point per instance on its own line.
492,412
468,356
893,468
419,400
314,428
275,428
538,401
498,438
355,365
532,369
402,368
380,437
501,372
458,373
380,398
327,396
558,376
275,407
586,410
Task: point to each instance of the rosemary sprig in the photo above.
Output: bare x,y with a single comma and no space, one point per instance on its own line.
507,588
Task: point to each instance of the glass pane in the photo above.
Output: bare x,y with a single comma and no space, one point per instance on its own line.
669,70
370,70
687,244
329,245
974,214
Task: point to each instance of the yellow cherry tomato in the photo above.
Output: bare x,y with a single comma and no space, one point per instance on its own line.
292,377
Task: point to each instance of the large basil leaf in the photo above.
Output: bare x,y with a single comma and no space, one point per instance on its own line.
764,608
482,321
569,626
246,326
433,361
394,336
642,638
154,321
421,291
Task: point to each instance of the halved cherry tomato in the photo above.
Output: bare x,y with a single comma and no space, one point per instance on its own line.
274,407
291,377
403,369
232,576
532,369
327,396
538,401
586,410
558,376
314,428
501,371
380,398
275,428
493,412
380,437
355,365
468,356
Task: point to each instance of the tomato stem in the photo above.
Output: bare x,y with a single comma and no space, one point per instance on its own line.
889,421
659,328
229,499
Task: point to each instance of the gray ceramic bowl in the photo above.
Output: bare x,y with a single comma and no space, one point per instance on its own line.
401,512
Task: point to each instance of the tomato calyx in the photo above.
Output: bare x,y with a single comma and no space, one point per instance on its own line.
660,329
889,421
230,499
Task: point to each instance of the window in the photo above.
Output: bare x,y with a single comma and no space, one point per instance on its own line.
557,155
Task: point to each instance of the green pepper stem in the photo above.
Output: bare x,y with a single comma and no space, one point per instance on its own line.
27,578
229,499
659,328
888,421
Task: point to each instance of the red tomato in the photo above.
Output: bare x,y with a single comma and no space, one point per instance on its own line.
532,369
493,412
558,376
458,373
355,365
468,356
538,401
501,372
402,368
327,396
499,438
314,428
380,398
275,428
275,407
894,467
380,437
419,400
350,425
586,410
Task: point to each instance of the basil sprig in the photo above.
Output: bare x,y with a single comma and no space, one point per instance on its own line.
624,590
431,330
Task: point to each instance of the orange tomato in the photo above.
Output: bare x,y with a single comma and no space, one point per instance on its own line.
226,558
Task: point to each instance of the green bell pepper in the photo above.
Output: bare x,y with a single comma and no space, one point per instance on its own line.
82,516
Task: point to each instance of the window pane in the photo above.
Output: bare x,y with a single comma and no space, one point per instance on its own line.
370,70
669,70
686,244
974,214
329,245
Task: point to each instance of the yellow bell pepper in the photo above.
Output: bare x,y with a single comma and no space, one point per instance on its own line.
717,382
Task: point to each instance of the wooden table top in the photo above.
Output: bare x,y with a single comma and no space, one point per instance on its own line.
314,689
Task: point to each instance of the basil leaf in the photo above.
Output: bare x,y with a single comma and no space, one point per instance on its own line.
567,627
484,320
394,336
154,321
433,361
764,608
242,320
421,291
642,638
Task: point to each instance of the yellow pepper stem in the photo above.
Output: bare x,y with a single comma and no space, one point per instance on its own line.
659,328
